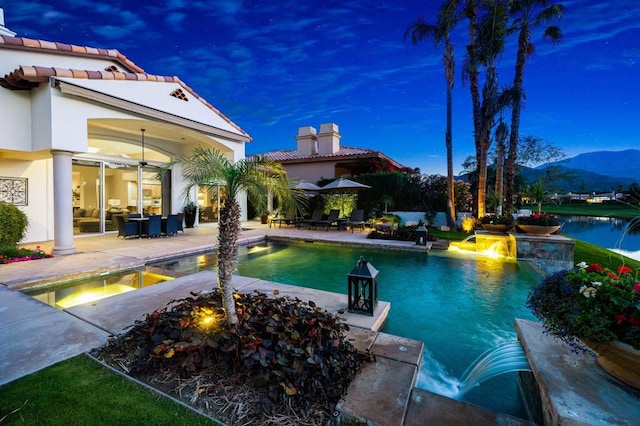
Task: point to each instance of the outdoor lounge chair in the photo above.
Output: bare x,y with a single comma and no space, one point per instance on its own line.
356,220
315,217
126,229
334,215
289,219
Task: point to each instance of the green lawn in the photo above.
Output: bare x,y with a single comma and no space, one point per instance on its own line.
80,391
591,253
619,210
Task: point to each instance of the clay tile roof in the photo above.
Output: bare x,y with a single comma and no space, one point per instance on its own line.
343,152
26,77
66,49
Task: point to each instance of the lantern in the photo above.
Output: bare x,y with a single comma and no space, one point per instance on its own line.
363,288
421,235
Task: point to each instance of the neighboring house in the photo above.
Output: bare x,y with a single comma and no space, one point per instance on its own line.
84,130
319,155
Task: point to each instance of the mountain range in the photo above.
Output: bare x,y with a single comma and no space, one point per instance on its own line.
598,171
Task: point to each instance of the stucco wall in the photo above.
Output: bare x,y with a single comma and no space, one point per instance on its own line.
39,209
311,172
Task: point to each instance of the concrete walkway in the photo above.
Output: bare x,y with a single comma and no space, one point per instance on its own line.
34,335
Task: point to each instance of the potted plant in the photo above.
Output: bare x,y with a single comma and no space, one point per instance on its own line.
496,223
190,213
591,305
539,224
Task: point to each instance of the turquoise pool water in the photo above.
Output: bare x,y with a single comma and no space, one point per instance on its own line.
458,306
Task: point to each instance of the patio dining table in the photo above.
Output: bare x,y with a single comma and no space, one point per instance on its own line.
141,220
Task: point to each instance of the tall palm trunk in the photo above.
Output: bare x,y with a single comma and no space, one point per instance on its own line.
228,232
451,197
518,78
501,137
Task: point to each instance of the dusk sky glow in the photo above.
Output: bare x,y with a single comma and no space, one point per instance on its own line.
272,67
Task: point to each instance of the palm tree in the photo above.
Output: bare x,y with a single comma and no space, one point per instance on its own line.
527,14
256,177
420,30
486,44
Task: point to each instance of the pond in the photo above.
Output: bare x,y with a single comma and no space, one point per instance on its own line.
607,232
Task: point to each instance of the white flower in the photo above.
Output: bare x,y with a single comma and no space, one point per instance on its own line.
582,265
596,283
588,292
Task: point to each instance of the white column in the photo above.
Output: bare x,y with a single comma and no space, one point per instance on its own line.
62,206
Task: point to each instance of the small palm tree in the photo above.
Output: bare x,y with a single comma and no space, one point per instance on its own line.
257,177
537,192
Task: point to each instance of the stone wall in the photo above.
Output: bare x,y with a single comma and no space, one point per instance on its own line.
551,253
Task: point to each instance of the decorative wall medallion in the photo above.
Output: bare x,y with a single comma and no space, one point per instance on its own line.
14,191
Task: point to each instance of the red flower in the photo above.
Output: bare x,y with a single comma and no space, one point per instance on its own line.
636,287
620,319
634,321
612,275
624,270
594,267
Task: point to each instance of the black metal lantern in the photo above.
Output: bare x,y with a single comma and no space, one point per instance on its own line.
421,235
363,288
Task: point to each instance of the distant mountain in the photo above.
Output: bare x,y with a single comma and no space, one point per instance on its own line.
564,179
601,171
623,164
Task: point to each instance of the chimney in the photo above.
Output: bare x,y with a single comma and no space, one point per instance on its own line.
328,139
307,141
4,30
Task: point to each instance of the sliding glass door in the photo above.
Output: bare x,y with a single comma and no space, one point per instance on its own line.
102,189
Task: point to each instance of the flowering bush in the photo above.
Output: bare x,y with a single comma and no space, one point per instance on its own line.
14,254
495,219
589,302
542,219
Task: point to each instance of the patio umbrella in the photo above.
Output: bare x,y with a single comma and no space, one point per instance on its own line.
305,186
343,186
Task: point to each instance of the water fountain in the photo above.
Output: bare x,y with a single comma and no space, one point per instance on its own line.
507,357
487,244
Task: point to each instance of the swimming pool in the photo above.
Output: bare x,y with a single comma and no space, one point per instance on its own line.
458,306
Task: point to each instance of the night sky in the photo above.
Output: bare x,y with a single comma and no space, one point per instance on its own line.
273,66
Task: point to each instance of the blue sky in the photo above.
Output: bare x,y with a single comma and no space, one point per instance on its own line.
273,66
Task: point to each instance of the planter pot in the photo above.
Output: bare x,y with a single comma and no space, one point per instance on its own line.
539,229
190,217
619,360
498,228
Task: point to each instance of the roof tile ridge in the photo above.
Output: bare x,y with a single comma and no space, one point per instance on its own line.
64,48
40,71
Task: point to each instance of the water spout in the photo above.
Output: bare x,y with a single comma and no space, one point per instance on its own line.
506,358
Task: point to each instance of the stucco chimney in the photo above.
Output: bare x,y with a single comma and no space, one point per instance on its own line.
328,139
307,141
4,30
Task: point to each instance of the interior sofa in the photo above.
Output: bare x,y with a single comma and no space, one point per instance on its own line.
88,220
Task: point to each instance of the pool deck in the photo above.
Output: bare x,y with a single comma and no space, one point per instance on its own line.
34,335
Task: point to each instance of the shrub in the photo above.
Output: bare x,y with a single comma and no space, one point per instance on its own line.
541,219
494,219
296,351
13,224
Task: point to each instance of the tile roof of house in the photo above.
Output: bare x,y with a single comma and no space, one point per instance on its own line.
345,152
26,77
